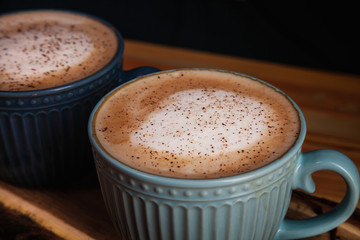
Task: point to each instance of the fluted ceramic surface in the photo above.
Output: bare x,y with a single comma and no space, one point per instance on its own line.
247,206
43,139
236,210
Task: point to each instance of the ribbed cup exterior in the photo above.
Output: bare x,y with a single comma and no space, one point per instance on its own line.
246,207
43,137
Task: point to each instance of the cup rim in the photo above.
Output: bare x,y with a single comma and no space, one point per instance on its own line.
192,182
78,83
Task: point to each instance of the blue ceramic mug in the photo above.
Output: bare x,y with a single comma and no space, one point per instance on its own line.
43,133
247,206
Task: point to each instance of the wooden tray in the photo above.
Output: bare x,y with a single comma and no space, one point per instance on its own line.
330,102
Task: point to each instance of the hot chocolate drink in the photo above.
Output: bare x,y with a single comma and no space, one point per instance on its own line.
44,49
196,124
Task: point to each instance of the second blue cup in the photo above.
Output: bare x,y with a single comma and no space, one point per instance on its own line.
43,132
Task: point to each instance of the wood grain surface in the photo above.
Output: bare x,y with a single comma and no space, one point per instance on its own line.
330,102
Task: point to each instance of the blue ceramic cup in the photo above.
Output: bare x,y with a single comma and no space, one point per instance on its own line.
43,133
247,206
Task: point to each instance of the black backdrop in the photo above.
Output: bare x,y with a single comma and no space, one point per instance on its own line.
304,33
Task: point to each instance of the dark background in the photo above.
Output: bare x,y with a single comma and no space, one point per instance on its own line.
314,34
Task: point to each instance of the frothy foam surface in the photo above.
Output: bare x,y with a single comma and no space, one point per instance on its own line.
203,122
196,124
43,49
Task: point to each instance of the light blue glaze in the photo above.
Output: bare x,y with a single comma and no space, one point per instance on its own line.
247,206
309,163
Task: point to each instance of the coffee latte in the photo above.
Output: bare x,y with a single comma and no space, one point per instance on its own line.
44,49
196,124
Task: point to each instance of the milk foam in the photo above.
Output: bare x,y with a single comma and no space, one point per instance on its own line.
42,49
196,124
203,122
39,52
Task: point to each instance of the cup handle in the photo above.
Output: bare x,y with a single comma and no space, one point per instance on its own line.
136,72
309,163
